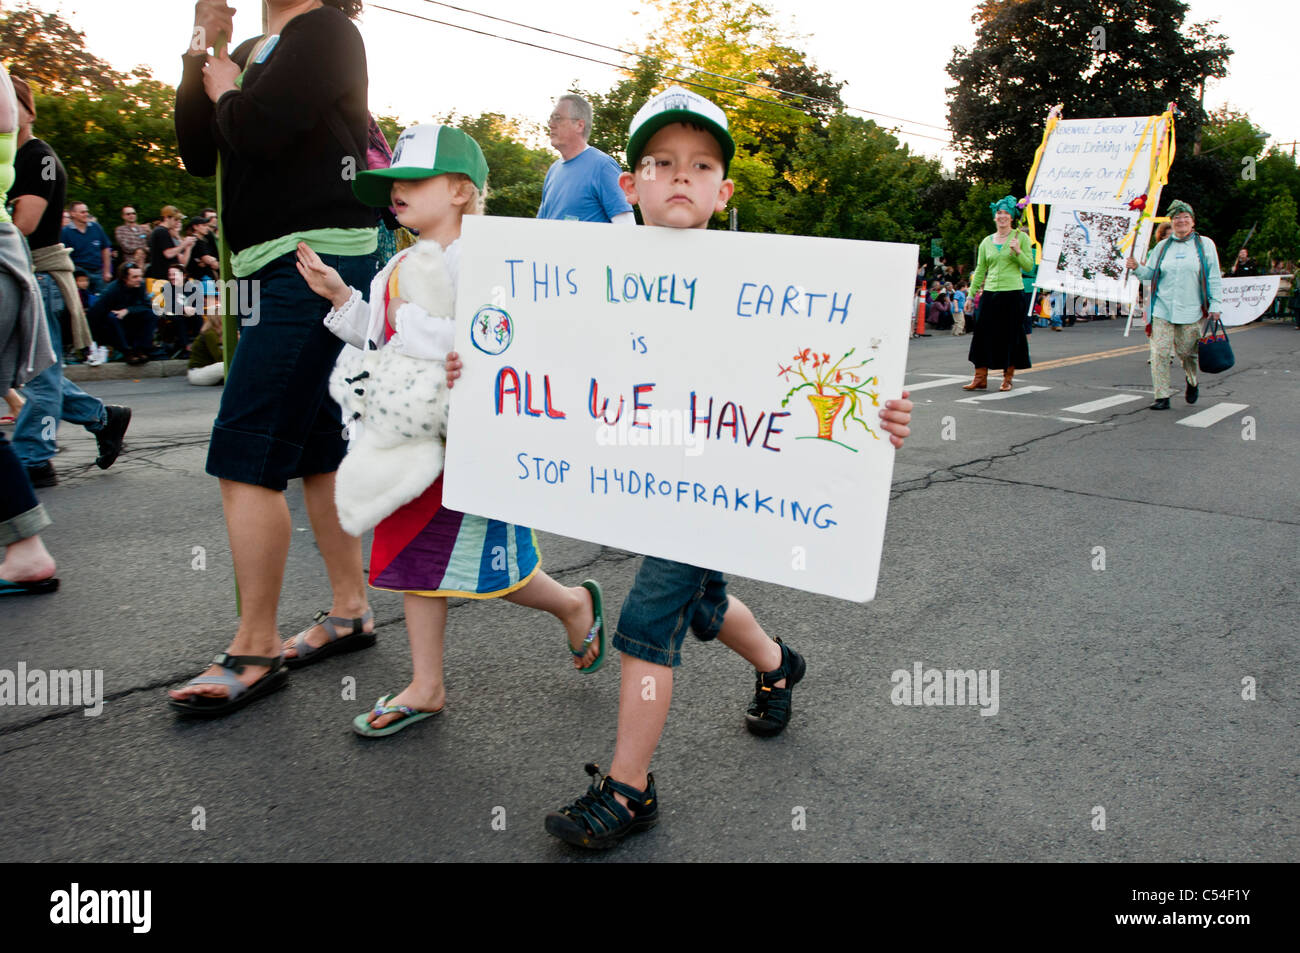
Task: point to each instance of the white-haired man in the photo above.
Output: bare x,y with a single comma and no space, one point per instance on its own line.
582,186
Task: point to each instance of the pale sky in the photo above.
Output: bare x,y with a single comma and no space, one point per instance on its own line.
891,54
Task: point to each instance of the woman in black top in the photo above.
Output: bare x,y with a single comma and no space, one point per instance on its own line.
284,112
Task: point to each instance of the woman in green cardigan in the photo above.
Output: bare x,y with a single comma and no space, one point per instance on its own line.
999,339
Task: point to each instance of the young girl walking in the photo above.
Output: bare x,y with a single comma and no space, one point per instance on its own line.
422,549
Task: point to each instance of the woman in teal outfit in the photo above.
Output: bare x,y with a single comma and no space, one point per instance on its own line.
999,339
1185,287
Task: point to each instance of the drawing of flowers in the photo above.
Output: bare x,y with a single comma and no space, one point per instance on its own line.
837,389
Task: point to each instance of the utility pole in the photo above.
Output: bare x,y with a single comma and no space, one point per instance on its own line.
1196,146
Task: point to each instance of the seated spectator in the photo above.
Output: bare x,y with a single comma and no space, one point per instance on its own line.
206,355
123,317
938,309
178,304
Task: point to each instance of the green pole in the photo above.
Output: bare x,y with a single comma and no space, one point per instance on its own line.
229,304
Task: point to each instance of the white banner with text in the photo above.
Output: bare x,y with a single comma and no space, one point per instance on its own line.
704,396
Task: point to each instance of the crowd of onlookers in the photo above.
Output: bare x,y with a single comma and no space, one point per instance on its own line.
943,292
150,292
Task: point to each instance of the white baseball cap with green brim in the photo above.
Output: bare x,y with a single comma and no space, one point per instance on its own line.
675,104
422,152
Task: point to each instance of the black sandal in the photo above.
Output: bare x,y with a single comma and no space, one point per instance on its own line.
770,711
204,706
351,641
597,820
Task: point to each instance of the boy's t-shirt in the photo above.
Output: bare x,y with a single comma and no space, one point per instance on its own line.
583,189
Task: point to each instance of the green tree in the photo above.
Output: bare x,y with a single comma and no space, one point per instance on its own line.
119,147
1097,57
46,50
612,112
1279,233
835,198
961,229
515,171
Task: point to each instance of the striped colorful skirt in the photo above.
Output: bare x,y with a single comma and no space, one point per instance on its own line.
429,550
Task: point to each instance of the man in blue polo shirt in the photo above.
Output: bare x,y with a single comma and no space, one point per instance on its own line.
92,252
583,185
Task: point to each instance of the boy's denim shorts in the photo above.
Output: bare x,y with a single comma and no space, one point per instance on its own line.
667,599
277,420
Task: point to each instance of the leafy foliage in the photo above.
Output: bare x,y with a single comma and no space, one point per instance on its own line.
515,171
45,50
119,147
1031,54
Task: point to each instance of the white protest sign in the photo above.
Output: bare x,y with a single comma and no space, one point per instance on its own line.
704,396
1085,160
1081,253
1245,299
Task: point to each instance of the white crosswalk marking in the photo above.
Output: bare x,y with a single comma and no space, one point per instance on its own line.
1103,404
1002,395
1212,415
941,382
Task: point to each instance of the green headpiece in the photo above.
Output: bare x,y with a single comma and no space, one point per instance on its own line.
1006,204
1178,205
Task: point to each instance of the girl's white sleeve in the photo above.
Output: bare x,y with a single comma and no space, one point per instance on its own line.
350,322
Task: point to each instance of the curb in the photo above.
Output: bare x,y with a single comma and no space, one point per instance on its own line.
118,371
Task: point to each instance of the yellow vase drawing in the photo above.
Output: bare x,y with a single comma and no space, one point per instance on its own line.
827,409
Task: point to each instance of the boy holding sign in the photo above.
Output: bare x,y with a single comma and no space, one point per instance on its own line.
680,150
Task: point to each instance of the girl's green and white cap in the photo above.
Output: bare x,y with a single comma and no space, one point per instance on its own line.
422,152
675,104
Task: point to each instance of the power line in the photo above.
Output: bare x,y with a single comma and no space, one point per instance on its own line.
620,66
733,79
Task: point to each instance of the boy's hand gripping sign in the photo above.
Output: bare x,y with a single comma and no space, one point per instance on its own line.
709,397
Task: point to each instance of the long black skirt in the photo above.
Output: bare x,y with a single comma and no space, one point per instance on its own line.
999,340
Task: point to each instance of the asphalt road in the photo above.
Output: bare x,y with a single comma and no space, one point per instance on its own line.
1120,688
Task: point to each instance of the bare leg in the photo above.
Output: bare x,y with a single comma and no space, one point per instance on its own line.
742,634
572,605
645,692
426,626
257,521
342,554
27,561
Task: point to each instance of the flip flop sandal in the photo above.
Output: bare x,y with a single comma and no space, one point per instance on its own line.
36,588
202,706
350,641
361,724
597,630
